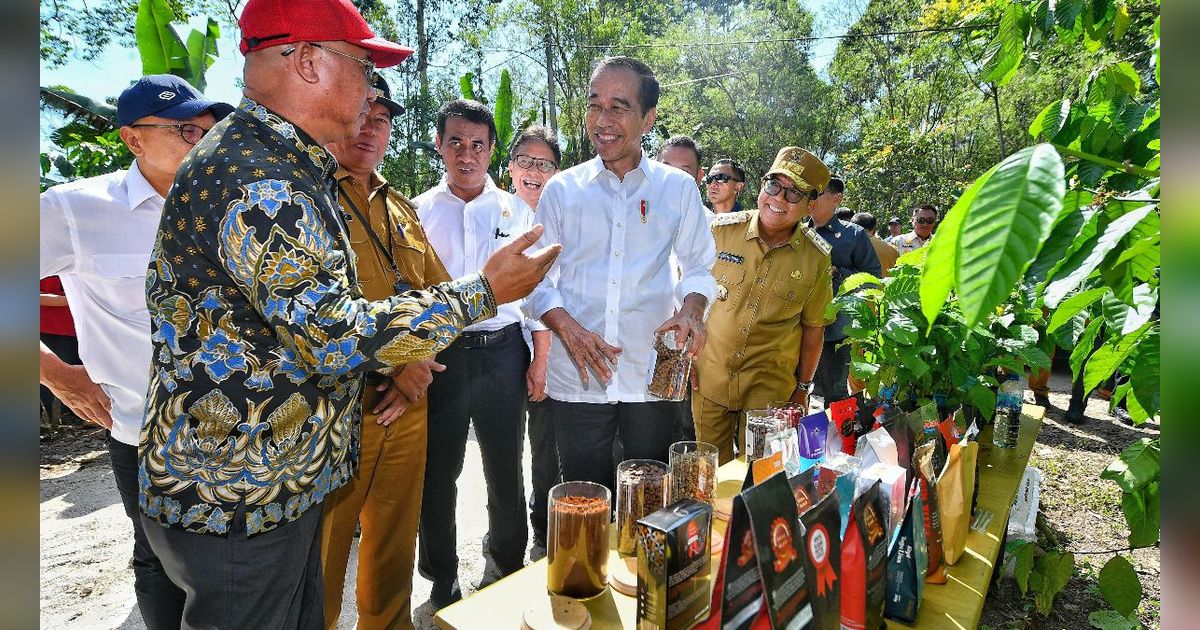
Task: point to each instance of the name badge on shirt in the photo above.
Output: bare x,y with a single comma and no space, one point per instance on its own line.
730,257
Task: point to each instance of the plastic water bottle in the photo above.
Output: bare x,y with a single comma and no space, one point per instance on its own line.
1007,426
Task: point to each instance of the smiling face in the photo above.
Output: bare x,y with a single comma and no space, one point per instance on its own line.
615,120
528,182
466,149
776,215
683,159
362,153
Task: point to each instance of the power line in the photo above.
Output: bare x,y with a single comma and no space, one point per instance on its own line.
797,39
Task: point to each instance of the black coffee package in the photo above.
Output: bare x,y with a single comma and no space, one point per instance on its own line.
823,557
896,423
777,541
674,566
742,589
907,563
804,490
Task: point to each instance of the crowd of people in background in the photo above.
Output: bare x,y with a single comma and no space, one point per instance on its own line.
289,352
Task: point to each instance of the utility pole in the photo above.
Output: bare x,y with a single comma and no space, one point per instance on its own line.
550,84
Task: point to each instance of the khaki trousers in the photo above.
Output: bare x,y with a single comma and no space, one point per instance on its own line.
384,495
717,425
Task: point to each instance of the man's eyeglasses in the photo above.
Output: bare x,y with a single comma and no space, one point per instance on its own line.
720,178
925,221
367,64
190,133
528,161
773,188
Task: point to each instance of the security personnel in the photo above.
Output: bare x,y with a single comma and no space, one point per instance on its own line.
393,255
766,325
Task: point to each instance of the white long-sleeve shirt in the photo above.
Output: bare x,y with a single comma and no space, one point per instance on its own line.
97,235
466,233
614,275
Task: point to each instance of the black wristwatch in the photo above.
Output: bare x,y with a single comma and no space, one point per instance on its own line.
807,387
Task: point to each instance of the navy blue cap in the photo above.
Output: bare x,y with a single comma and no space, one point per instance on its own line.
165,95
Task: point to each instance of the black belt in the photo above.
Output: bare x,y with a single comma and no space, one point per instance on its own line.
485,338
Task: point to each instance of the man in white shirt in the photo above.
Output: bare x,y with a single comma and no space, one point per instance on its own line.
620,218
924,218
467,217
97,235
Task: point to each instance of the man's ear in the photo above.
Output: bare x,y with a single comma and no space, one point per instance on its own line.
304,63
437,142
130,137
648,122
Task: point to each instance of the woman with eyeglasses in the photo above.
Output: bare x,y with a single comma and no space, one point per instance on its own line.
533,160
725,182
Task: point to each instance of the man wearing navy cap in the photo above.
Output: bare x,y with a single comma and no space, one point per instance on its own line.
97,234
262,336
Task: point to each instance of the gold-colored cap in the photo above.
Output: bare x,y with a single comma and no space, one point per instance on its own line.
806,170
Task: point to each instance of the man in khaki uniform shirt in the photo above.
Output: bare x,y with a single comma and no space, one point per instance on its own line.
385,492
767,323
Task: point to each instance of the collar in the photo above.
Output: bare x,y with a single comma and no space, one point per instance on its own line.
137,189
832,224
322,161
377,180
595,166
443,188
752,231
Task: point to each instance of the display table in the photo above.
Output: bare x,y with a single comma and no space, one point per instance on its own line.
956,604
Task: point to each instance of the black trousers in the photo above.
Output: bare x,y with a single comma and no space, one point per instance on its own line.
585,432
271,580
484,383
544,465
159,600
829,381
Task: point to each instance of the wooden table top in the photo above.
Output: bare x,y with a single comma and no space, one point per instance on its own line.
956,604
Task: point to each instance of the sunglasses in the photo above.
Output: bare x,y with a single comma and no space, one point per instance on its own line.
528,161
367,64
190,133
773,188
720,178
925,221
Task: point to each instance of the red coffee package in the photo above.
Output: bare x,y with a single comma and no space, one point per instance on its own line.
864,563
841,412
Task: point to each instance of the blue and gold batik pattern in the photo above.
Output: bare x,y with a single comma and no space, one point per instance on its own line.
261,334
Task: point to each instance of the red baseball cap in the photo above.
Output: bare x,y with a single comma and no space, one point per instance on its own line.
267,23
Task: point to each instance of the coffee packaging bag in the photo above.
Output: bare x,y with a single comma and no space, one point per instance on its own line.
674,566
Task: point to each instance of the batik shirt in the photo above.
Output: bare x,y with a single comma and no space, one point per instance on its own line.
261,335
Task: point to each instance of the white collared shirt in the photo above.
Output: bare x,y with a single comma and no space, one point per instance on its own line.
97,234
466,233
614,275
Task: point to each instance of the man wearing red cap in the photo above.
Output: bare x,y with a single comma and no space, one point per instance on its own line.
261,334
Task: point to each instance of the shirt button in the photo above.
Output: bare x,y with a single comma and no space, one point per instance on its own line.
614,283
618,254
745,330
619,224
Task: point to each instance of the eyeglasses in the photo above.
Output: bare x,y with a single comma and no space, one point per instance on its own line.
720,178
190,133
367,64
773,188
925,221
528,161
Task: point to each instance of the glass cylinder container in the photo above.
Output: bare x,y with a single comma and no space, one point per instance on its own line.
761,424
577,539
641,491
669,378
693,468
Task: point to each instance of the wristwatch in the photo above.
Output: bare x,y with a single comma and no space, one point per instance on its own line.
807,387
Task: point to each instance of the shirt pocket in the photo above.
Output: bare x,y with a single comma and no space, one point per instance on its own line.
122,288
365,253
788,297
729,279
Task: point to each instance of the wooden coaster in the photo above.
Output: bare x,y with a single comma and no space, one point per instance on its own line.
722,508
556,613
622,576
718,544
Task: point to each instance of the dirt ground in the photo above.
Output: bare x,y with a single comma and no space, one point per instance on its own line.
86,542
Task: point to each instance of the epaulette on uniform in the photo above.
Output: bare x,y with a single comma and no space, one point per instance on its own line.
816,239
731,218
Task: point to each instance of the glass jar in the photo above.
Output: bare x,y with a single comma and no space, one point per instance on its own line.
641,491
761,424
577,539
671,371
693,468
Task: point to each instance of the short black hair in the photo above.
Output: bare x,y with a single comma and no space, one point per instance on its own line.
647,91
864,220
737,168
926,208
473,111
534,133
836,185
686,142
844,214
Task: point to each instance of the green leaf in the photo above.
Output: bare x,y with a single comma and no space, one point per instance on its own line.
1083,348
1067,279
466,86
158,43
1005,226
1145,377
1111,620
1120,586
1073,305
1024,566
1136,466
1109,357
1034,357
1095,27
1005,52
1077,212
984,399
1051,120
1141,510
941,254
863,370
1056,570
1066,11
913,361
1132,318
202,52
503,115
857,280
1120,23
901,328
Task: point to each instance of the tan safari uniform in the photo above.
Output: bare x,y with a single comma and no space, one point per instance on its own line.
754,326
385,492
